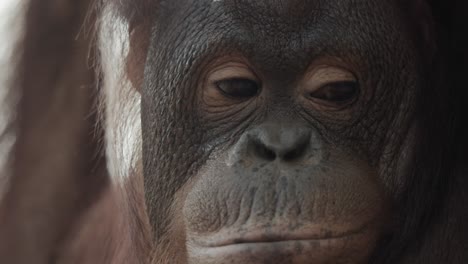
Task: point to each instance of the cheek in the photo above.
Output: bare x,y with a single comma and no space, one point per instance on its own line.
395,168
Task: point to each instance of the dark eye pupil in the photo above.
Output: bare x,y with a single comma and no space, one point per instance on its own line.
338,92
238,88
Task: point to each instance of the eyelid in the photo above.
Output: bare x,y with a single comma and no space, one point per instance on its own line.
225,72
324,75
232,71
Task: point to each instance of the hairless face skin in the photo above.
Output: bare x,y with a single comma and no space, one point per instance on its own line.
238,132
275,128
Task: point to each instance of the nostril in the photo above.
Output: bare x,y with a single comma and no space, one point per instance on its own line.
295,154
263,151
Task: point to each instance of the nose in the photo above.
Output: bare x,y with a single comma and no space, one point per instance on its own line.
286,142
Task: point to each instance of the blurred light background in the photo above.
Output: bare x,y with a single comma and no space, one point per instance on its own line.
10,25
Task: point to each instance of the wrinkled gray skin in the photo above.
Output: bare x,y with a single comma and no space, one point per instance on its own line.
329,187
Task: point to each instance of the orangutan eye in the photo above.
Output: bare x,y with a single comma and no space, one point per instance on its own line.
331,86
238,88
338,93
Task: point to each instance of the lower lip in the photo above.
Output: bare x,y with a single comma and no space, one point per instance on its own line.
349,249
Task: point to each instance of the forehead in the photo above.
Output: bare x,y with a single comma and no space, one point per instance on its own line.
268,17
274,8
286,9
276,32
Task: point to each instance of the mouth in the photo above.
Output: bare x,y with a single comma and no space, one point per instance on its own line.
274,245
279,234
